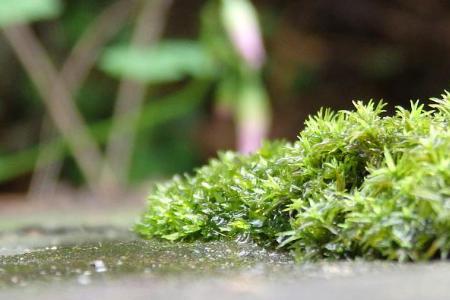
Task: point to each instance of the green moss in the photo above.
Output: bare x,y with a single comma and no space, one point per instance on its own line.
354,184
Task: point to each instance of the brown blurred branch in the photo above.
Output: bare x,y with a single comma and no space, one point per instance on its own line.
57,89
86,51
57,100
75,70
45,176
148,30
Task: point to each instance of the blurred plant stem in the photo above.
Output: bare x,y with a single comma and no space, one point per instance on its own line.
88,48
253,115
74,71
131,95
57,100
45,176
160,111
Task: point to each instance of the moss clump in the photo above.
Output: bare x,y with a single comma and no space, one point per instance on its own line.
354,184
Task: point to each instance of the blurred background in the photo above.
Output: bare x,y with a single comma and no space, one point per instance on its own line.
105,97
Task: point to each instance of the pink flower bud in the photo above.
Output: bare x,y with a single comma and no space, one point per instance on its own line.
251,133
241,24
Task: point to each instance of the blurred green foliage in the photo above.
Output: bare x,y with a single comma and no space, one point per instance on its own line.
320,53
153,115
24,11
167,61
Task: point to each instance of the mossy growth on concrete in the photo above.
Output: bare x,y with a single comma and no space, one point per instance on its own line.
355,184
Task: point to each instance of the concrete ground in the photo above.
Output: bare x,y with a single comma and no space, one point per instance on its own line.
342,281
37,230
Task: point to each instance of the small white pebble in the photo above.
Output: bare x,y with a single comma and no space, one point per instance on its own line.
99,266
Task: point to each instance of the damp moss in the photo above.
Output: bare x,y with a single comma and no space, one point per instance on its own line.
354,184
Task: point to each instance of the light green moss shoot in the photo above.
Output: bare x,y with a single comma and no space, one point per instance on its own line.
354,184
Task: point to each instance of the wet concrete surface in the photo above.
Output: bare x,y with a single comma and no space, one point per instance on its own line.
85,263
380,282
111,263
